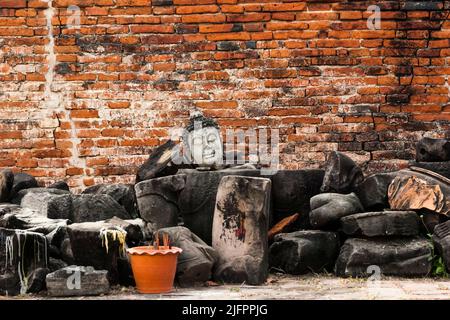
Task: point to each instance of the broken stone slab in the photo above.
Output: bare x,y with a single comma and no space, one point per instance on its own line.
372,192
48,203
404,257
328,208
441,240
196,262
240,226
22,193
101,244
291,193
432,150
61,185
342,174
24,260
283,226
16,217
77,281
304,251
158,200
442,168
6,184
383,223
420,189
22,181
197,200
159,163
122,193
6,208
96,207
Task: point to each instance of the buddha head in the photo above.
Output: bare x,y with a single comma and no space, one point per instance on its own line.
203,141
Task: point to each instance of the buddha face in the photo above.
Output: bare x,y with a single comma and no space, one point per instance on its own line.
205,146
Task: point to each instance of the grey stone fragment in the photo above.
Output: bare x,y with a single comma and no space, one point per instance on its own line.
122,193
196,262
24,256
22,181
328,208
409,257
96,207
382,223
342,174
158,200
48,203
77,281
304,251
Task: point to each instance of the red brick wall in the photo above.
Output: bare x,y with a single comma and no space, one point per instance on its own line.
88,105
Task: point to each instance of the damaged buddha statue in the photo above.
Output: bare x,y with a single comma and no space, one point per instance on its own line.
190,190
203,143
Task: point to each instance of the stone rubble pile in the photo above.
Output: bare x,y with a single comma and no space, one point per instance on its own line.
234,224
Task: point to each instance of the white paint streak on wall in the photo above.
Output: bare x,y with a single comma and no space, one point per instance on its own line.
55,103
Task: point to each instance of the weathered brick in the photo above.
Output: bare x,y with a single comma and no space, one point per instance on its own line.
136,68
13,3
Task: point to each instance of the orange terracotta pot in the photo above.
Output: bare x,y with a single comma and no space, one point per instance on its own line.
154,270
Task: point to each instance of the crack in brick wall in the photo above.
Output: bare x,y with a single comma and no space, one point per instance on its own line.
88,104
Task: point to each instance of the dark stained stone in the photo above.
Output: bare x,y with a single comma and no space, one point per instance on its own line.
99,244
441,240
383,223
158,200
24,260
328,208
6,184
342,174
22,181
96,207
291,193
432,150
443,168
410,257
122,193
304,251
159,163
373,190
196,262
61,185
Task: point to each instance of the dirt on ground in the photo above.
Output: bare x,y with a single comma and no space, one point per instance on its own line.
307,287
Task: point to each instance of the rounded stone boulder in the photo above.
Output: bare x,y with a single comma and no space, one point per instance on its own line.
328,208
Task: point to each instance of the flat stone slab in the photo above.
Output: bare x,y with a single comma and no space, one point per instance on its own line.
408,257
77,281
383,223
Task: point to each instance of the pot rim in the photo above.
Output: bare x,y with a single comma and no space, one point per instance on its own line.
149,250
